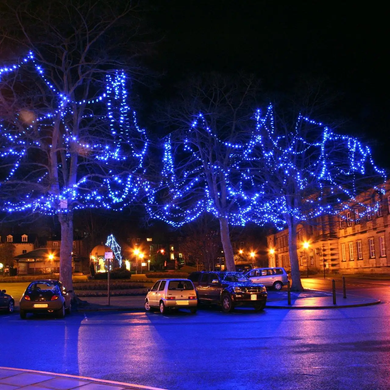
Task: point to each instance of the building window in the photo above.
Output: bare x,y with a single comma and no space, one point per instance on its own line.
24,238
382,246
379,209
343,252
357,217
349,221
371,245
359,248
24,251
55,244
351,254
10,238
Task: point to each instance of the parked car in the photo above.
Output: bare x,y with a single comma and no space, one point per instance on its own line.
228,289
7,302
169,294
45,296
275,277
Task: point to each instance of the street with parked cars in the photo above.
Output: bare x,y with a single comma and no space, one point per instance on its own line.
343,348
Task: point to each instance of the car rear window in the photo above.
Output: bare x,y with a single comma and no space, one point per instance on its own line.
43,287
180,285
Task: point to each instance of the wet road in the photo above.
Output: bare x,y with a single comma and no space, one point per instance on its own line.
289,349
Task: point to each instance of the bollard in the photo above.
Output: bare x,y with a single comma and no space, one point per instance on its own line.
334,291
344,289
288,293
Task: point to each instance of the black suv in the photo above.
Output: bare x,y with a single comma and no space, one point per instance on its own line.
228,289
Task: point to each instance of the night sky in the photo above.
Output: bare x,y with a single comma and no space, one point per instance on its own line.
346,43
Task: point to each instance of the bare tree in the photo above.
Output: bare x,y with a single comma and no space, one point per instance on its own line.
208,120
201,241
68,135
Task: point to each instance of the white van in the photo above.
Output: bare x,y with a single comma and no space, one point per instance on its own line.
270,277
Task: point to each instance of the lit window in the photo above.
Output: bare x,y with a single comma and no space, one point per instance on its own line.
359,249
343,252
149,239
351,254
10,238
24,238
382,246
371,245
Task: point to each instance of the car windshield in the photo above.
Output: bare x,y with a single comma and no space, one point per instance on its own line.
233,277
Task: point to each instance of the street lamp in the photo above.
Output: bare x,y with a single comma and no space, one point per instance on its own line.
51,258
271,251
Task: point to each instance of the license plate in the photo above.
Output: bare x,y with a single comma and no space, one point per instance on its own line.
181,303
253,297
41,305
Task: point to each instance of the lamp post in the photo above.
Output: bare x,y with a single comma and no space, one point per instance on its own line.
306,246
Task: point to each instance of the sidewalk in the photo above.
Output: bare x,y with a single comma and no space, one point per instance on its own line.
309,299
13,379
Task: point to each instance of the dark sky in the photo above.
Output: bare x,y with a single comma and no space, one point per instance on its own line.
345,42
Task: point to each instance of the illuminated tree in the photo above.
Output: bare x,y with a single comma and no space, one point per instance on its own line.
200,164
300,169
68,139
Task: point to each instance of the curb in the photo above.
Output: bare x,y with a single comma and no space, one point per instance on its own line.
323,307
89,379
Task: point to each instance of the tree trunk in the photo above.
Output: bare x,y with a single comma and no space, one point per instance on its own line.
226,244
293,253
66,221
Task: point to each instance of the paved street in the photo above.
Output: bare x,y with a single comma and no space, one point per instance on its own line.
343,348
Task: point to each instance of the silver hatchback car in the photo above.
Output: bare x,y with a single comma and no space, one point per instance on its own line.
169,294
270,277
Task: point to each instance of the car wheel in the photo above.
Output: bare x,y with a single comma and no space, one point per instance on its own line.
163,309
22,314
147,306
193,310
11,307
227,303
259,306
278,286
61,313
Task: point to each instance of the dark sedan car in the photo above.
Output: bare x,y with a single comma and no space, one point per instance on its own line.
45,296
7,303
228,289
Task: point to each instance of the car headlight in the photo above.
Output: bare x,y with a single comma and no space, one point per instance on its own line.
263,289
237,289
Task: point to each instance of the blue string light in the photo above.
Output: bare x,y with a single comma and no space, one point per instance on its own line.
273,174
106,147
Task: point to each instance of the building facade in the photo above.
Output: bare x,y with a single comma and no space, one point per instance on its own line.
357,240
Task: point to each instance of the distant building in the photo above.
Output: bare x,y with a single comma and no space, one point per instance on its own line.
22,243
355,241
